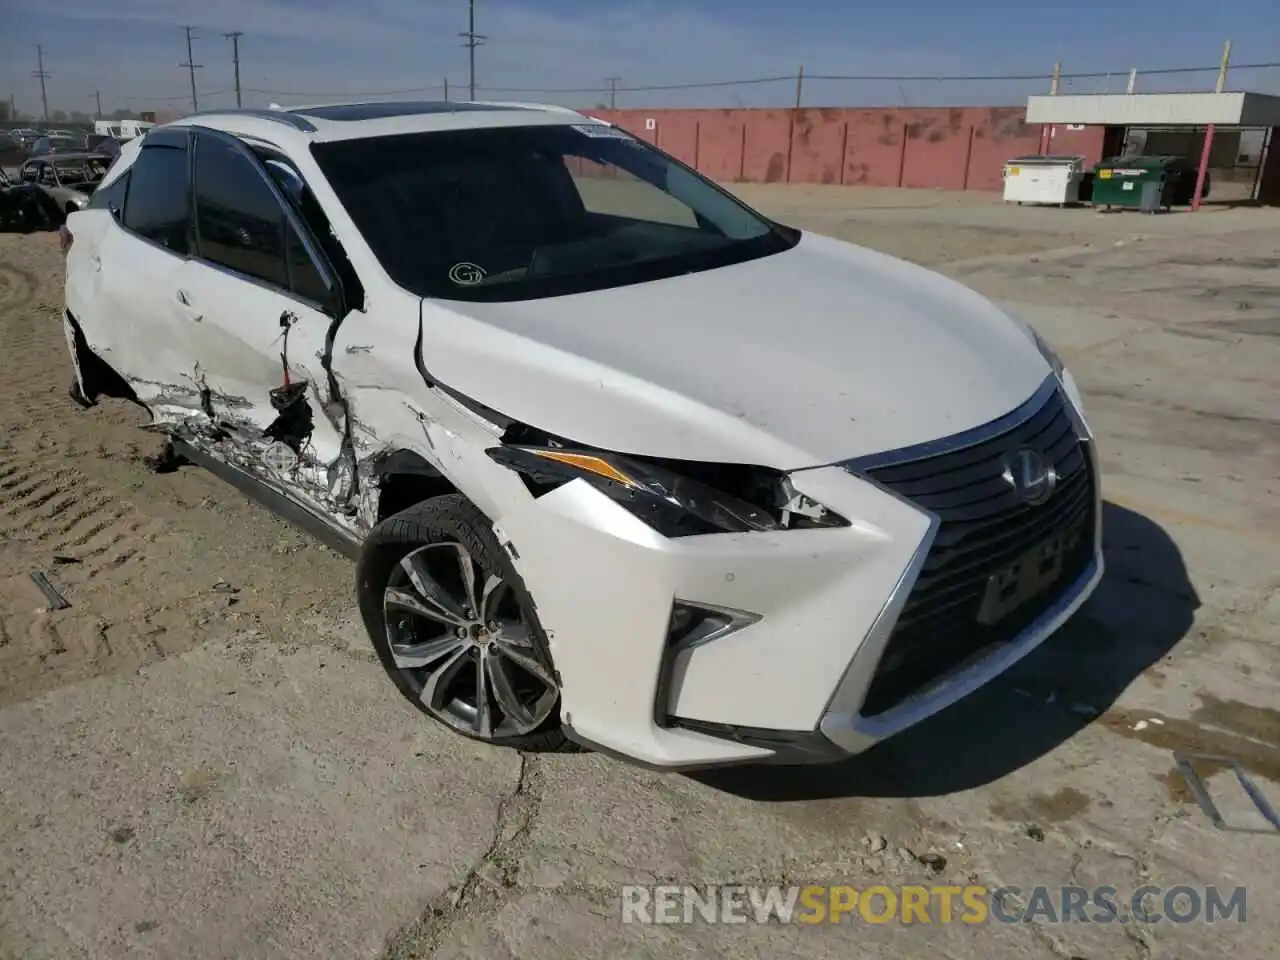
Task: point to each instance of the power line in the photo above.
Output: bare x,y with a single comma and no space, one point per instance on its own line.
234,36
345,93
896,78
616,87
473,40
42,75
172,99
192,67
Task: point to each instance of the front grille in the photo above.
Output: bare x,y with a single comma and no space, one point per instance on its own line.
985,527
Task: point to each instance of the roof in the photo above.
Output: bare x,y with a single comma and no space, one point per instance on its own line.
347,121
1157,109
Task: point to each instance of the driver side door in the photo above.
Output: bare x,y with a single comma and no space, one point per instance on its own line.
271,304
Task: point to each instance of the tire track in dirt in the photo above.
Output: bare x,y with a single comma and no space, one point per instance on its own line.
158,563
50,507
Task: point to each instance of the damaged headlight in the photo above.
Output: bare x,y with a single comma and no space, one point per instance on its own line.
674,503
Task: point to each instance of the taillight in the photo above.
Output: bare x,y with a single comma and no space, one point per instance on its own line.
65,238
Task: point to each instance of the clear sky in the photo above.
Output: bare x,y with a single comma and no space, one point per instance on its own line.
297,51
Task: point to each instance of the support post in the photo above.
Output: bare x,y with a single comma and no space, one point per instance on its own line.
1204,167
902,154
968,160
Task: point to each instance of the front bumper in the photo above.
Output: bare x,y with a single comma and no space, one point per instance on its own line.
794,685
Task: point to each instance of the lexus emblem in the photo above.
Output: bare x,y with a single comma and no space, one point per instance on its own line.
1031,478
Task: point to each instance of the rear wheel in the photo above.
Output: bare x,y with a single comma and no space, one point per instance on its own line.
455,628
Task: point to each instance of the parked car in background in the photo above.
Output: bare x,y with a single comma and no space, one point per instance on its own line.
24,137
54,144
105,145
25,207
122,129
68,179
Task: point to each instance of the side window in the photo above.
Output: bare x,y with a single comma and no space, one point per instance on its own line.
244,228
304,278
239,223
158,205
112,198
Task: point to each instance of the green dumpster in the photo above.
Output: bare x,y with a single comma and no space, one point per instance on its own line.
1118,182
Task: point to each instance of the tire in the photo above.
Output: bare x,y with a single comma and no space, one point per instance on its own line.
435,536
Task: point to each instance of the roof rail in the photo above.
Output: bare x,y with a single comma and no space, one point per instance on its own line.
277,116
520,105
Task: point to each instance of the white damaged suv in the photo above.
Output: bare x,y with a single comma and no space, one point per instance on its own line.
623,462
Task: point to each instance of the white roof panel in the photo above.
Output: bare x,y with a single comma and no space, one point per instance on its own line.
1157,109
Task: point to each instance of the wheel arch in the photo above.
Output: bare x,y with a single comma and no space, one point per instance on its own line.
406,478
99,378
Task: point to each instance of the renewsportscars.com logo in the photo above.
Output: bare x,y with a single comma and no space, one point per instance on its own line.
934,904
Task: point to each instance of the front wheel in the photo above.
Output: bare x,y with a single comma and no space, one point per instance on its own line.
455,628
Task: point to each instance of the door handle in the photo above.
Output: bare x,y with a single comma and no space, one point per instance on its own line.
183,298
96,263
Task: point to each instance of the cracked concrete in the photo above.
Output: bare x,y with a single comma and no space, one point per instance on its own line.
201,774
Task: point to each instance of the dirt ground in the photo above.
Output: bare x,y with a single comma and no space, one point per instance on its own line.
201,759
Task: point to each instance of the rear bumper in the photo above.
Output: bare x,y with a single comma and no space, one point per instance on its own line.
787,685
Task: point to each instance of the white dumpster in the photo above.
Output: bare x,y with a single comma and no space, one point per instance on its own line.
1043,179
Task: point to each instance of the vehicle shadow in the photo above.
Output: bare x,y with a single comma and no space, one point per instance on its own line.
1143,607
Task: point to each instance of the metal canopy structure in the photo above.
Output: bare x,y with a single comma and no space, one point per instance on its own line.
1207,110
1157,109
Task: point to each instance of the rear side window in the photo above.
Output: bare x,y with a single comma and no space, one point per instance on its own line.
158,205
111,197
242,225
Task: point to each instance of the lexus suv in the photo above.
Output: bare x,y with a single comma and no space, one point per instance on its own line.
622,462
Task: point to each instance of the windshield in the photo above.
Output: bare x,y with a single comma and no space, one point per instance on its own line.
82,170
515,213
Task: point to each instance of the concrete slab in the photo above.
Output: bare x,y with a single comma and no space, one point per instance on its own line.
210,808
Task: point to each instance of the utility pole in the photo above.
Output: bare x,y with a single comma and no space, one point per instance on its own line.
1207,150
97,96
234,36
613,91
473,40
1057,76
42,76
1222,70
799,86
446,89
192,67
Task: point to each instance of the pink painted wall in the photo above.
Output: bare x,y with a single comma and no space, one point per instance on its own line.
952,148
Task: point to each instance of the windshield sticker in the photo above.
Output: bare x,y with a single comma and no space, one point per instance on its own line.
466,274
602,131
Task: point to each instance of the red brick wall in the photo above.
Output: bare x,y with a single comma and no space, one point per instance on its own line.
957,148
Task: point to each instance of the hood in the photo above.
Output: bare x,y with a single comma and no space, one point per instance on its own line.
822,353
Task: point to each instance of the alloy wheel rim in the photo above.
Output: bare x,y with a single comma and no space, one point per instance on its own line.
462,640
